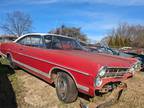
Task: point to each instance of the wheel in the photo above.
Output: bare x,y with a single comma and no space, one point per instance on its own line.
11,63
66,88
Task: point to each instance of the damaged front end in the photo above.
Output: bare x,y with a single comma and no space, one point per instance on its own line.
111,99
110,79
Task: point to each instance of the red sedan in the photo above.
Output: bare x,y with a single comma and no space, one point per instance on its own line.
61,60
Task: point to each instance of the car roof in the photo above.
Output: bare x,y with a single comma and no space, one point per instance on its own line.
43,34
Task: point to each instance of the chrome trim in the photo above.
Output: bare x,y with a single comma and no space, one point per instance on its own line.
31,68
81,72
115,72
134,65
83,87
120,67
41,34
2,54
48,75
101,70
55,67
78,85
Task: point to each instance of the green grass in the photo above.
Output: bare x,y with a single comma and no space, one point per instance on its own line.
12,75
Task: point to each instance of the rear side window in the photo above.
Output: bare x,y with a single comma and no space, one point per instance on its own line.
56,44
34,41
65,43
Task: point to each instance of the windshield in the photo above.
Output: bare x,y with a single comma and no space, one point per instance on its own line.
65,43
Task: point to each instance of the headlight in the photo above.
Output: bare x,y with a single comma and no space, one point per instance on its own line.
98,81
102,71
131,70
135,67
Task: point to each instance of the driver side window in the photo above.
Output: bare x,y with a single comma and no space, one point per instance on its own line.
56,44
32,40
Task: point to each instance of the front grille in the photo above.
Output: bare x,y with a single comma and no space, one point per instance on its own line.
115,72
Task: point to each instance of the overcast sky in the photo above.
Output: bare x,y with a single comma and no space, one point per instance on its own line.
95,17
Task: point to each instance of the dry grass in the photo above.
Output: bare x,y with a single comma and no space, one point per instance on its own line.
134,96
32,92
42,95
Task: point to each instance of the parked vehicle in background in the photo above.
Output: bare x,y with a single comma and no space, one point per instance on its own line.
104,49
125,49
61,60
132,50
9,38
107,50
139,56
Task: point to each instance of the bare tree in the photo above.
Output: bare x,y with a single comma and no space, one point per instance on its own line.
127,35
17,23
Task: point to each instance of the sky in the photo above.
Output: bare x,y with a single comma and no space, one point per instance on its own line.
95,17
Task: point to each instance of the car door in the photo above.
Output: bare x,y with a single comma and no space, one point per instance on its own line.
29,49
19,49
35,55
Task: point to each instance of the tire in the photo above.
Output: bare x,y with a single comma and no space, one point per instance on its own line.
11,63
66,88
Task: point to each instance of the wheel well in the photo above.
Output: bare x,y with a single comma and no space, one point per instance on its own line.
54,72
8,55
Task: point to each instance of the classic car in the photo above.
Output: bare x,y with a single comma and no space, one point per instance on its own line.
62,61
125,49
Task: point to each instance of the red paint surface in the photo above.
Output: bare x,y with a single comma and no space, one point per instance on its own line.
70,60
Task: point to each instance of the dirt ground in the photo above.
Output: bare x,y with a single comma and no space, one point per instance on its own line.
22,90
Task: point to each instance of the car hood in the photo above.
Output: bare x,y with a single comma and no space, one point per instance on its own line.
101,59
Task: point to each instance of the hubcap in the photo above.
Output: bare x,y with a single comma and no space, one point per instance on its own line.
62,87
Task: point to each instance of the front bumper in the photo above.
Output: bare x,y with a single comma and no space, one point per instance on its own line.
110,100
113,80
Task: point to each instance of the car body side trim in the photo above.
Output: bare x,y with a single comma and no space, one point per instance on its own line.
2,54
31,68
78,85
47,75
81,72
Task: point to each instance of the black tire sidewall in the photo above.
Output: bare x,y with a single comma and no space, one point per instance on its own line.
72,92
11,63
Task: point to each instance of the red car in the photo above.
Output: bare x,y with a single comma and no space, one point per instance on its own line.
61,60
